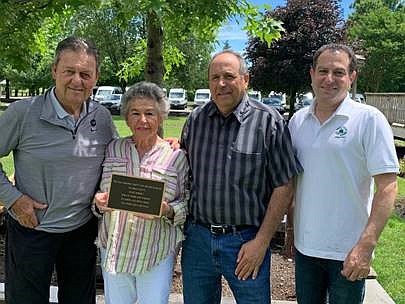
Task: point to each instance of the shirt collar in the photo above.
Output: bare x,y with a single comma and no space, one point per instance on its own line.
343,109
60,111
239,112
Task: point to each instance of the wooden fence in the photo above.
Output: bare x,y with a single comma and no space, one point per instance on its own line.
391,104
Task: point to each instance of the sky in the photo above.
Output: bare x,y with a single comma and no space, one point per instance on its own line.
237,38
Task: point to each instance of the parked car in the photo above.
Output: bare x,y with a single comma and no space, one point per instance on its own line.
112,103
359,97
178,98
256,95
304,100
103,92
201,97
275,102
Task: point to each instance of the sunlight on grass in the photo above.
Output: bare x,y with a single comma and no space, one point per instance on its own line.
389,262
401,186
172,126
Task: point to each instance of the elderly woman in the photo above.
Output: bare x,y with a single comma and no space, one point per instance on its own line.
138,252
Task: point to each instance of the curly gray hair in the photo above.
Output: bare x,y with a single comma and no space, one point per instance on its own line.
145,89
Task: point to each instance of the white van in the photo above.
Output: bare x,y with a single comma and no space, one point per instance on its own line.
178,98
103,92
201,97
256,95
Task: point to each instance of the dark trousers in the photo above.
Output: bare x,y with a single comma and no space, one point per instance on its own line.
319,281
31,257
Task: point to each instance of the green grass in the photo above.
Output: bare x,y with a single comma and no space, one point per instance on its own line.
401,186
389,262
172,126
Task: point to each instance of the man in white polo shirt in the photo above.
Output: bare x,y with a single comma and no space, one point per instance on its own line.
344,147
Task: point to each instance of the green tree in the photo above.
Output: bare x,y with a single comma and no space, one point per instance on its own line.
192,74
117,37
171,23
377,27
284,66
21,20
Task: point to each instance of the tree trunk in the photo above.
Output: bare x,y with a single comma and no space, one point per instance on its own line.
291,102
7,89
154,68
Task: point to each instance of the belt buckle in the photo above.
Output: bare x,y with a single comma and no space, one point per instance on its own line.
213,229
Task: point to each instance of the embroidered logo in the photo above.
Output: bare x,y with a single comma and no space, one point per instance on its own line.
93,124
341,132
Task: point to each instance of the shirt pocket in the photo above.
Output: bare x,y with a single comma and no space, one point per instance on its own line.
245,169
169,176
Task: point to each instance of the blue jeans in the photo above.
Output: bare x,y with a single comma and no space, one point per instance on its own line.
206,257
319,279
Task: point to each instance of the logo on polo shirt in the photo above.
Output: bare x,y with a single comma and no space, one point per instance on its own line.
341,132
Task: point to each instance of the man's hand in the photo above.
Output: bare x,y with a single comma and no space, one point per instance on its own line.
173,142
24,210
167,210
101,201
250,258
357,263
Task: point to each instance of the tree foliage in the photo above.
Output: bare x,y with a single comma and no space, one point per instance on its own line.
138,38
21,20
377,27
284,66
117,36
173,22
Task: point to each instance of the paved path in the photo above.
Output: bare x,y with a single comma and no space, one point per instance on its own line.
375,294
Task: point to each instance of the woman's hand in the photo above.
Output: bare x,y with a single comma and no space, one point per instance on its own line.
101,201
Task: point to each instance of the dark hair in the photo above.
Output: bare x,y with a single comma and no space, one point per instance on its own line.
337,47
77,44
242,64
149,90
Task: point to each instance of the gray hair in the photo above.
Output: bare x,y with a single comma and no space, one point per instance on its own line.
336,47
77,44
242,64
145,89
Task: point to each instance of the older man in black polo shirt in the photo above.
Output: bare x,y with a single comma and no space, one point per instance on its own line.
242,164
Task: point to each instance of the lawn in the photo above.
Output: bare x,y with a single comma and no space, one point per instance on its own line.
389,262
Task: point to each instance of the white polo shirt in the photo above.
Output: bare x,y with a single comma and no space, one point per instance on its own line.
335,192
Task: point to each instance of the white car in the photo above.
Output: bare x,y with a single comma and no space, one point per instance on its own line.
103,92
201,97
178,98
112,102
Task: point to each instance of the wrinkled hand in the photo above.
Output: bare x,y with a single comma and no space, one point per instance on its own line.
357,263
167,211
101,201
24,210
250,258
173,142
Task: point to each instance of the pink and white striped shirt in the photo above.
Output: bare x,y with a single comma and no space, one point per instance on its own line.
134,245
